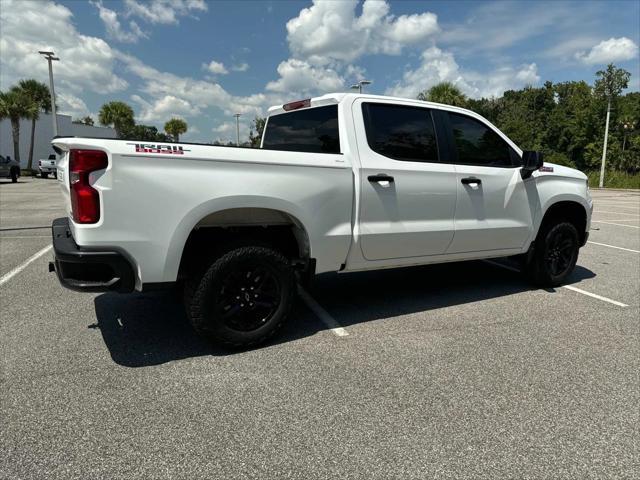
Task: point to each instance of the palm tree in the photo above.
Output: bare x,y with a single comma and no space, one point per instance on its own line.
444,92
175,127
118,114
38,94
15,105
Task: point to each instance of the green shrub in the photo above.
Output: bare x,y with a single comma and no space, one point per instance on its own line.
613,179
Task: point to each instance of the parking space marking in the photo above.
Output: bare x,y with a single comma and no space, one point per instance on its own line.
9,275
575,289
613,246
618,224
593,295
618,213
322,314
506,267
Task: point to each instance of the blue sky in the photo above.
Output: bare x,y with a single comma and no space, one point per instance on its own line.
204,61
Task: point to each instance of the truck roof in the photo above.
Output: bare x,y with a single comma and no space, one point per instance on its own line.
335,98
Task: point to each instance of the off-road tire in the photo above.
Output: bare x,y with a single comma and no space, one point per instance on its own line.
202,293
539,266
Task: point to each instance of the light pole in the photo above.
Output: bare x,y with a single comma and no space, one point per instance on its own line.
360,84
50,56
604,147
237,115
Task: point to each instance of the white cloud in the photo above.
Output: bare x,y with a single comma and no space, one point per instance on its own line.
297,76
226,131
217,68
440,66
71,105
612,50
86,63
164,11
242,67
330,31
164,108
114,28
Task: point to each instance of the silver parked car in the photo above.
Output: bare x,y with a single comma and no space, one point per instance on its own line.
9,168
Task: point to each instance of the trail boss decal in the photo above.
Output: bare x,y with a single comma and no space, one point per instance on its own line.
157,148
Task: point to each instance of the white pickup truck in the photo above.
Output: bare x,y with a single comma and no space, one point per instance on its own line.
342,182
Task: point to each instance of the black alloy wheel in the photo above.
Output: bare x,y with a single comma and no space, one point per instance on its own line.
248,297
243,298
561,249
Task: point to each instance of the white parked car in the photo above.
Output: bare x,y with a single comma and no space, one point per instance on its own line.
342,182
48,166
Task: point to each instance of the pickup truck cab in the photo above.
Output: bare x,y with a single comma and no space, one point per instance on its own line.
342,182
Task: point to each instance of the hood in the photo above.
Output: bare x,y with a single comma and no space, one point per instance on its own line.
552,169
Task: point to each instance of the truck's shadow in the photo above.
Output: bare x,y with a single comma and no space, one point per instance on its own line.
151,328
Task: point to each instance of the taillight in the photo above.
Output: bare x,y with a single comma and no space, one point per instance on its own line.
85,200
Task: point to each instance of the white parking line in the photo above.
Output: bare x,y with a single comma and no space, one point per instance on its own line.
613,246
618,224
9,275
575,289
322,314
593,295
618,213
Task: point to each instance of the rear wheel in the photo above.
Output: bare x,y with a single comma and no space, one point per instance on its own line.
243,298
14,175
555,254
44,174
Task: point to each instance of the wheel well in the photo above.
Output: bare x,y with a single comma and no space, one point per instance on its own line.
217,232
569,211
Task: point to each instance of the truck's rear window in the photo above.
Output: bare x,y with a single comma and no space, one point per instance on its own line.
312,130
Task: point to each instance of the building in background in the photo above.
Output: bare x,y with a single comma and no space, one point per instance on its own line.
44,133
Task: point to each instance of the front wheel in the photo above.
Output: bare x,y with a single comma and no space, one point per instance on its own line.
555,254
244,297
14,175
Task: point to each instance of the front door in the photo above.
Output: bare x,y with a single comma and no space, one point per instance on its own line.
493,210
407,197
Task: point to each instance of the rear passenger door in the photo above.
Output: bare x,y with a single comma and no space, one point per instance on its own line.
407,197
493,211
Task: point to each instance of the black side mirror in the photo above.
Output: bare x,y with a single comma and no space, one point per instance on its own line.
531,161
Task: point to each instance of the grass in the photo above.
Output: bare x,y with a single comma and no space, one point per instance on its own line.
613,179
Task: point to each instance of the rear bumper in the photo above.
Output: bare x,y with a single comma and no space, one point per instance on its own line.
87,270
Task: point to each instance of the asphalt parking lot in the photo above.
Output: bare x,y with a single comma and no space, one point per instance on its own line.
451,371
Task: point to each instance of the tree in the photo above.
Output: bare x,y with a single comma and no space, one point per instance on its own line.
39,95
610,85
88,120
15,105
257,125
147,133
175,127
444,92
117,114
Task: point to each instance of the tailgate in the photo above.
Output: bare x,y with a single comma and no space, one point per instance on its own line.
61,171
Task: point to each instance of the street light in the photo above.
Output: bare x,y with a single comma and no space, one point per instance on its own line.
50,56
360,84
237,115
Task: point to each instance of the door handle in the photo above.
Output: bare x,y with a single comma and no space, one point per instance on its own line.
471,181
381,177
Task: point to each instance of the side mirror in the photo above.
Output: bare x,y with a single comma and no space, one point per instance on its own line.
531,161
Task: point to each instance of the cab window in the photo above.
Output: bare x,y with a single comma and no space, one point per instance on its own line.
312,130
400,132
477,144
